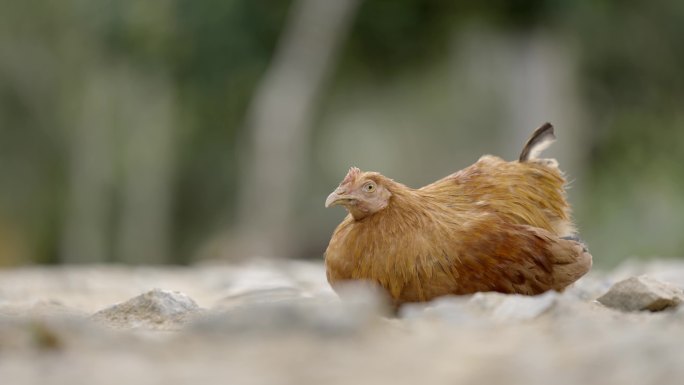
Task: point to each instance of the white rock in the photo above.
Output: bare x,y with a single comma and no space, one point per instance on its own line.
359,307
479,307
642,293
514,307
157,309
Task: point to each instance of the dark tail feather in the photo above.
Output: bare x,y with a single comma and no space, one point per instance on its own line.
541,138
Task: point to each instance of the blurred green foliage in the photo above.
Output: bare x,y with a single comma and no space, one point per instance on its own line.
630,59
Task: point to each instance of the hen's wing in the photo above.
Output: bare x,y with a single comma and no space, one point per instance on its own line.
527,193
511,258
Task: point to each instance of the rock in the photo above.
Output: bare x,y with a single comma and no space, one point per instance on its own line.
589,287
259,283
450,309
156,309
480,307
268,295
642,293
279,313
514,307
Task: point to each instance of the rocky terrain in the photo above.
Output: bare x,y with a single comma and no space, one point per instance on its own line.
268,322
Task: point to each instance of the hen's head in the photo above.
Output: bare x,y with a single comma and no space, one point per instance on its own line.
361,193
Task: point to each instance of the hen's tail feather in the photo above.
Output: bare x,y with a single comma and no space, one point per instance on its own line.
577,239
571,261
541,138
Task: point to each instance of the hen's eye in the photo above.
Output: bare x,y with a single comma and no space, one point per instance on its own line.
370,187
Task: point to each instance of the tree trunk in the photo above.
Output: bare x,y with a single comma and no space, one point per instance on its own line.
279,123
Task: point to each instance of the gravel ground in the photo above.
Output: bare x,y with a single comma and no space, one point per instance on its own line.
269,322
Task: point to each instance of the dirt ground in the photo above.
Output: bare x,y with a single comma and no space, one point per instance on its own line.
267,322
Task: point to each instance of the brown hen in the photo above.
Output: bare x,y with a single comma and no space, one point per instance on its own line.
493,226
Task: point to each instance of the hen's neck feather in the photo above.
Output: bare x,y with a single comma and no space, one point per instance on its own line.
412,209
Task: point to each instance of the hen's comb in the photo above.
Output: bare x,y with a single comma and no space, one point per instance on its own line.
351,175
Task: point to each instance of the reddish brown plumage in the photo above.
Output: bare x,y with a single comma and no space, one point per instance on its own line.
493,226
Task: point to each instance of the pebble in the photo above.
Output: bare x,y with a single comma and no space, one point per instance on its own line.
156,309
491,306
642,293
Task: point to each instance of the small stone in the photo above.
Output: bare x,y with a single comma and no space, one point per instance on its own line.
357,309
588,287
514,307
156,309
479,307
258,296
451,309
642,293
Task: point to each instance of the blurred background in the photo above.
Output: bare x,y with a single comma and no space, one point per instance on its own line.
179,131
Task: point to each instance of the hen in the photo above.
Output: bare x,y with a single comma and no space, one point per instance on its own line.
493,226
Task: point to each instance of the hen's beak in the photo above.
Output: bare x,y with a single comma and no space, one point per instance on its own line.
337,197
